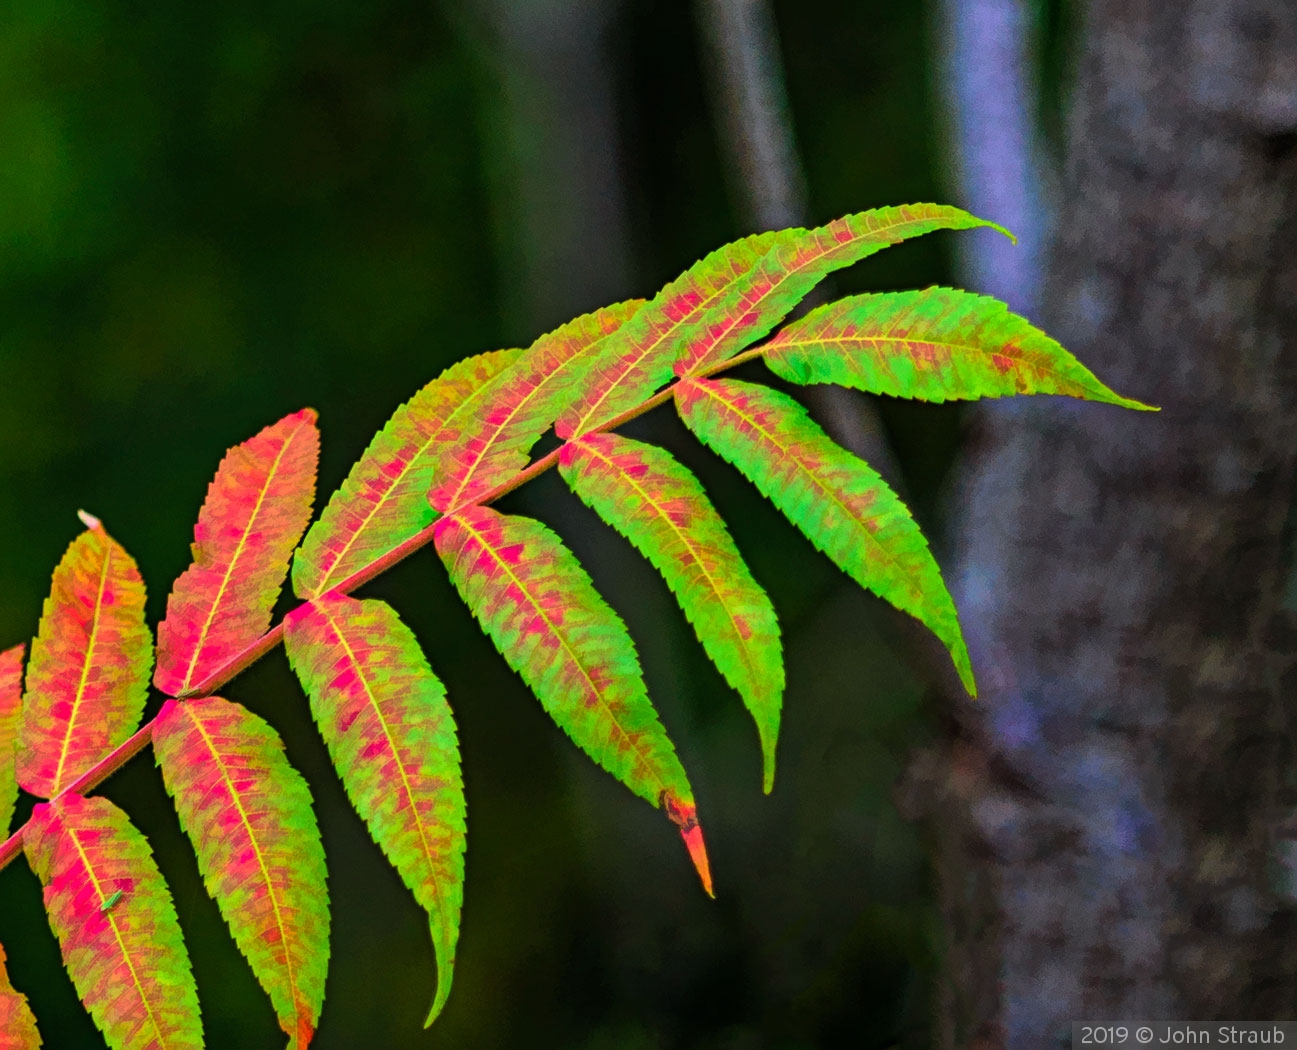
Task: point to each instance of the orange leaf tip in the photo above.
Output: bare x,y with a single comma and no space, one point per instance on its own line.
685,816
90,521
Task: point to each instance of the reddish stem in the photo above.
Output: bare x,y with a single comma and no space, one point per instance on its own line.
240,662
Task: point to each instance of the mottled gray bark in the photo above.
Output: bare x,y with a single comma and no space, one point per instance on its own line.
1111,813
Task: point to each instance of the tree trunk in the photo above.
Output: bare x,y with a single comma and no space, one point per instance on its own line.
1111,814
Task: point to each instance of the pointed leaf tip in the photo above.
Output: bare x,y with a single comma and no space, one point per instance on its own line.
90,521
685,816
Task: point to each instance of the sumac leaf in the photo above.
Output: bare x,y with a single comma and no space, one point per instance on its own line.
383,502
391,735
88,675
126,956
540,608
248,814
795,263
657,504
939,344
255,511
837,500
17,1025
11,679
506,418
630,365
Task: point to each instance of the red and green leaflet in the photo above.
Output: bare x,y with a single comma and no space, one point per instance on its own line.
939,344
505,418
628,368
256,509
657,504
796,263
539,607
733,297
248,814
17,1025
115,923
391,735
11,686
88,676
383,502
837,500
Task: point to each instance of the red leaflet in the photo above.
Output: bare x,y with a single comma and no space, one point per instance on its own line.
384,500
112,913
626,369
508,416
254,514
17,1025
89,671
796,264
248,814
11,684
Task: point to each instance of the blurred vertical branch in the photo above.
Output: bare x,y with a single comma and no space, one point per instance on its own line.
556,159
750,103
987,74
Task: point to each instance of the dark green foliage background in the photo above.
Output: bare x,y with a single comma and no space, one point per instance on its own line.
212,215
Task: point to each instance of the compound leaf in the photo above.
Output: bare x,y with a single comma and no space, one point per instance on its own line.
383,502
248,814
505,418
657,504
391,735
628,367
116,925
540,608
255,511
88,676
11,686
795,263
837,500
17,1025
939,344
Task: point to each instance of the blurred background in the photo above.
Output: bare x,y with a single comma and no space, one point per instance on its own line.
213,215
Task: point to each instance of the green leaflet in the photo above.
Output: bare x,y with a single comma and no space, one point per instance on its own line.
128,963
939,344
248,814
657,504
391,735
837,500
550,624
382,502
496,428
554,629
